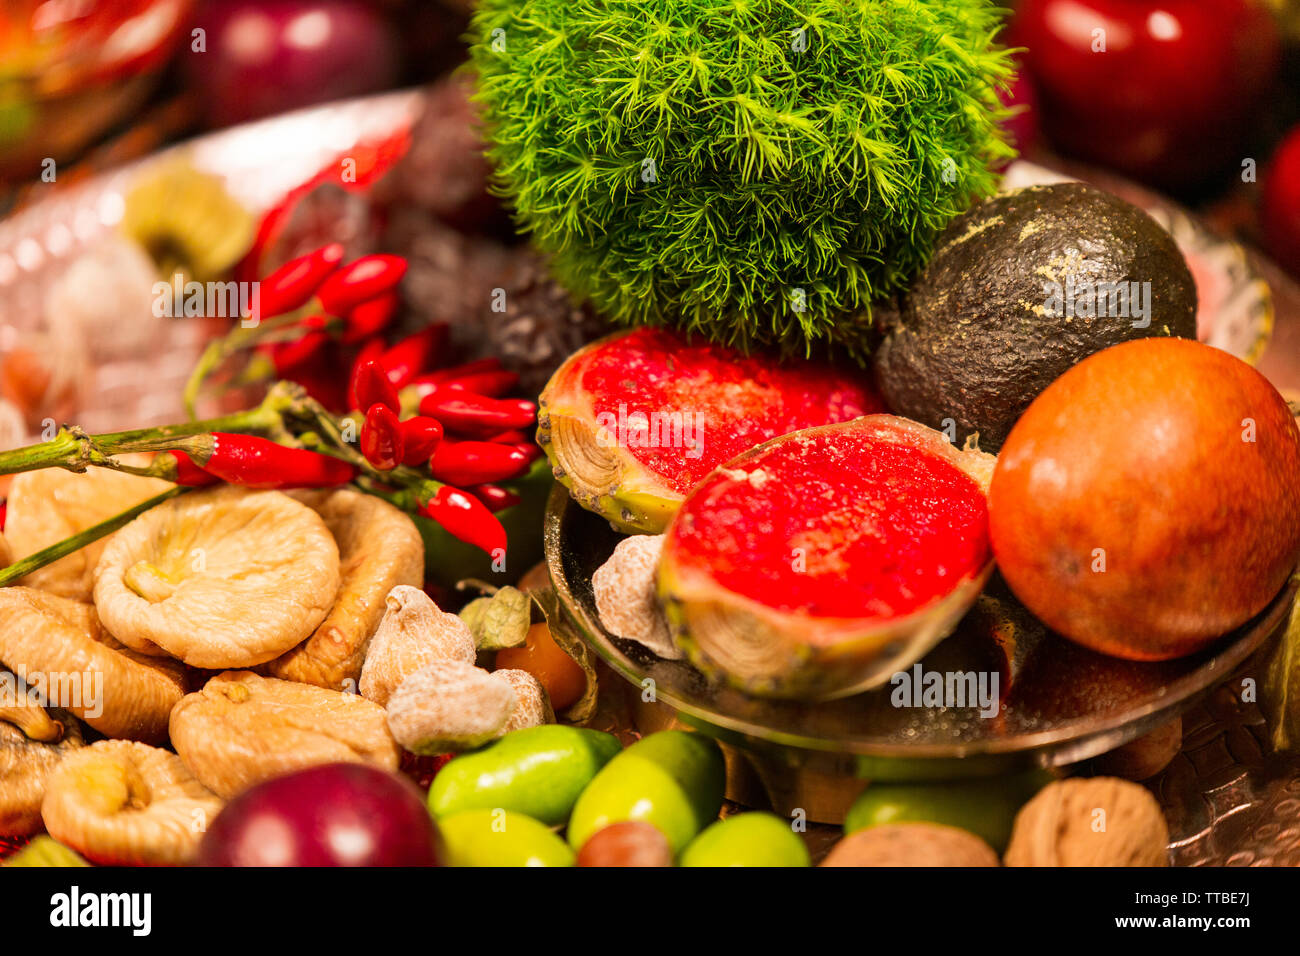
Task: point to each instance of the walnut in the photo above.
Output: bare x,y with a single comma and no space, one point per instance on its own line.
450,706
1095,821
412,633
242,728
626,598
911,844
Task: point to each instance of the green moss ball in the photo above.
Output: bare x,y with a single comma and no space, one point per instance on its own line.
755,170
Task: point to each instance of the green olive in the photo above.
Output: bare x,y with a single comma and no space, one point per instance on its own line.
747,839
500,838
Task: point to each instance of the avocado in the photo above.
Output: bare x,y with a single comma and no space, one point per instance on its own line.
1019,289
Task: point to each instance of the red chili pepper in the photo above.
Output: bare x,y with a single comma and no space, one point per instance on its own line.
494,384
260,463
420,436
370,386
495,497
369,352
413,354
370,318
381,438
360,281
477,415
529,449
476,462
183,471
466,518
304,349
427,383
4,513
290,286
515,436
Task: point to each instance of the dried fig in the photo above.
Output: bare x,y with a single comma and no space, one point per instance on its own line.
449,706
532,706
126,803
49,505
413,633
626,597
221,578
49,640
25,764
242,728
379,549
911,844
6,552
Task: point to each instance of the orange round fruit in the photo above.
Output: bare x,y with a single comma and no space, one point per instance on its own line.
1148,501
539,655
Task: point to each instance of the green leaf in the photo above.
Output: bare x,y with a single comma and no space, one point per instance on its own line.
499,621
1279,694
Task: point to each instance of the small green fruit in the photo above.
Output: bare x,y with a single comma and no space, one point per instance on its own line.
747,839
45,851
539,771
672,779
500,838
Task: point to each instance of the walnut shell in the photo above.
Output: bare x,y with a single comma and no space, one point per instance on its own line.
911,844
627,601
242,728
49,505
412,633
24,767
449,706
126,803
1095,821
118,691
379,549
225,577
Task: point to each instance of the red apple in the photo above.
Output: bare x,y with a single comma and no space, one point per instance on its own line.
339,814
1279,211
1162,90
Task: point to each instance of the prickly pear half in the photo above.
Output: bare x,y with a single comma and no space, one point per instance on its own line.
822,562
633,422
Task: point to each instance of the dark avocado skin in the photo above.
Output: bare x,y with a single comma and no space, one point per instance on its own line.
967,343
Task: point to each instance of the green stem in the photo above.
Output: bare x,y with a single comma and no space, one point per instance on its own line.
67,546
236,340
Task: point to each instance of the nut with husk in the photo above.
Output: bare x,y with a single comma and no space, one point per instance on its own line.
219,578
413,632
449,706
379,549
822,562
242,728
627,600
911,844
120,802
25,764
118,691
633,422
51,504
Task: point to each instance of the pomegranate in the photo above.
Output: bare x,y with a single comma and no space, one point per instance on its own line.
822,562
631,423
1148,502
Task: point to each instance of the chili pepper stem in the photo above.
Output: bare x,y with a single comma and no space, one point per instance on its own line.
61,549
236,340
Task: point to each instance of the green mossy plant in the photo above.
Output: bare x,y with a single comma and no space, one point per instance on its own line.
755,170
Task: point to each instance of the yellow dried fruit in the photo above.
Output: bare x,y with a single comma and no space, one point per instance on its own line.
25,764
532,705
120,692
120,802
413,633
49,505
379,549
627,600
242,728
911,844
220,578
449,706
1097,821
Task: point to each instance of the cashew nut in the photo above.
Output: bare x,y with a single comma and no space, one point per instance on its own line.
379,549
58,644
220,578
126,803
